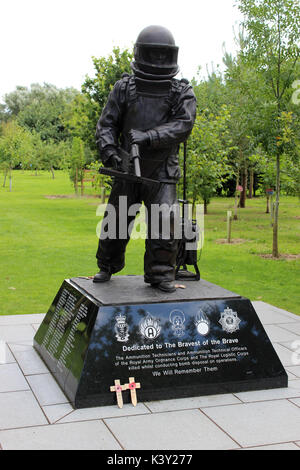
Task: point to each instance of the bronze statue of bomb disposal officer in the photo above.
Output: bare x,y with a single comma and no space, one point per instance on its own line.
154,110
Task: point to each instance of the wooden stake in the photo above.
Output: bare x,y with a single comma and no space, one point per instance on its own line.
118,388
132,386
229,220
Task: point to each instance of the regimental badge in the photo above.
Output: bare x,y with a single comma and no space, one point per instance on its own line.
177,319
229,320
121,328
150,327
202,323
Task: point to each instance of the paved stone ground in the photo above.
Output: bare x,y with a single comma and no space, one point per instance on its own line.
35,414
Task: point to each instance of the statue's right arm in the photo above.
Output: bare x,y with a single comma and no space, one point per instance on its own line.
108,126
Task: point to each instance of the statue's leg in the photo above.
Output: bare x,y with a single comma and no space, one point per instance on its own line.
162,243
114,232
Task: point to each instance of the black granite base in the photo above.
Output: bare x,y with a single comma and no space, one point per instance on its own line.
200,340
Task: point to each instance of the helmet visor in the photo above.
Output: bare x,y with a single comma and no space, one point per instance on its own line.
157,55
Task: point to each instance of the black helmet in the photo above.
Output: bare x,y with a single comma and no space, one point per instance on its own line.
155,53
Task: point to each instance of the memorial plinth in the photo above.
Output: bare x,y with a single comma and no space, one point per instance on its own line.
200,340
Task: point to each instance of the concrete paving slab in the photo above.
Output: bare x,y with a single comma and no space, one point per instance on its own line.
21,346
296,401
262,306
35,326
277,334
287,446
292,391
295,370
11,378
292,345
291,376
29,360
269,316
20,409
293,327
193,402
16,333
6,356
284,354
21,319
56,412
46,389
104,412
89,435
189,429
254,424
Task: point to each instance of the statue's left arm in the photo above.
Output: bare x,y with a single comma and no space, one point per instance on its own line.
180,125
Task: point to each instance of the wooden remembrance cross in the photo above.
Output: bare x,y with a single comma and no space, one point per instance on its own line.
118,388
132,386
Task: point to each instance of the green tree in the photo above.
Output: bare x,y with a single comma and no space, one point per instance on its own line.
266,169
272,47
108,70
244,93
40,108
209,147
15,101
76,164
44,155
211,92
15,145
44,112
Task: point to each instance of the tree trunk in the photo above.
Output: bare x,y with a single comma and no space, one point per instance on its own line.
52,171
251,184
236,199
275,210
268,205
76,181
4,181
244,192
10,181
205,206
275,249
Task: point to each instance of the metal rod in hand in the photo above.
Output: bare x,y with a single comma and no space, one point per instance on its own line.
184,170
184,180
135,155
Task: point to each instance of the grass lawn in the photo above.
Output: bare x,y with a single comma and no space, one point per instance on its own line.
45,240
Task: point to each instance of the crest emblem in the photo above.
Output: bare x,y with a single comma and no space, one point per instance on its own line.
121,328
150,327
229,320
202,323
177,319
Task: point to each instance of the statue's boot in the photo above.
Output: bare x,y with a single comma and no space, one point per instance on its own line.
102,276
165,286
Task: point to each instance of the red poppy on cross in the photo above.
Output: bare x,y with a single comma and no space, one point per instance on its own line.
132,386
118,388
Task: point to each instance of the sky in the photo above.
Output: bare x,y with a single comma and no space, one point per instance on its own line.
53,41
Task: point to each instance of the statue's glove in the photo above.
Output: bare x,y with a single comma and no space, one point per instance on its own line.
139,137
115,162
112,159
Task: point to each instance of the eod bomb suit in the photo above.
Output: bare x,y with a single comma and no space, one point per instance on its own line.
154,110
